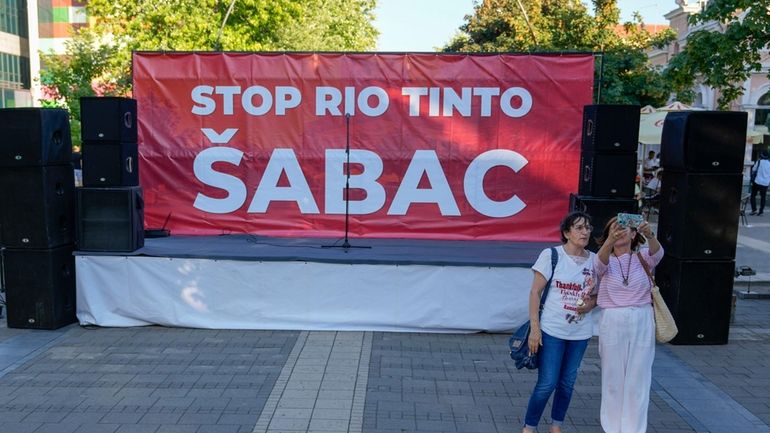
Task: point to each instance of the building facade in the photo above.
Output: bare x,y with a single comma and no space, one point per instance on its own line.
756,97
28,27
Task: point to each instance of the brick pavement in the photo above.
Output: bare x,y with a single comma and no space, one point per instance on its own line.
163,380
148,380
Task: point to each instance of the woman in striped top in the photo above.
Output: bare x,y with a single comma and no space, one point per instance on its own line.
627,326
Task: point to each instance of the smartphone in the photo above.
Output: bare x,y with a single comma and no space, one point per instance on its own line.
630,220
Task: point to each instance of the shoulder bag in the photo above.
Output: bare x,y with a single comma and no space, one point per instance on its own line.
665,326
519,341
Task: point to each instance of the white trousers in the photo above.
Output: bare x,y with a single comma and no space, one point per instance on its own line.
627,349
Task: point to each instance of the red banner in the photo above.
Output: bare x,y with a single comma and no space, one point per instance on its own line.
442,146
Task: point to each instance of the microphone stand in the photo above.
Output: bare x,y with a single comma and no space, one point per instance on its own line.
346,243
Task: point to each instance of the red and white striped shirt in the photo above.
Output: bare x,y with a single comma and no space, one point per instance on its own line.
612,292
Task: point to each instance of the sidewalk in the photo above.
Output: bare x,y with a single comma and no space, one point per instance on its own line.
166,380
754,251
159,380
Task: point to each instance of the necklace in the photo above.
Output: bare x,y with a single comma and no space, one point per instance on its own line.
627,273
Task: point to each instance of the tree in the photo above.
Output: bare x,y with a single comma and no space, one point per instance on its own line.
123,26
82,72
337,25
726,56
566,25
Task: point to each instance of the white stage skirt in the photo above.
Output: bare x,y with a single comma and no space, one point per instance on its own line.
298,295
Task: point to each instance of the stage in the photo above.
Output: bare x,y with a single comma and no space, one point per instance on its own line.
254,282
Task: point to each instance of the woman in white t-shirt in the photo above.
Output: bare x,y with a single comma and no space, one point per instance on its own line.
560,335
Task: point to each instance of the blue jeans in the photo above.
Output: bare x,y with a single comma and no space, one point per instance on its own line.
558,362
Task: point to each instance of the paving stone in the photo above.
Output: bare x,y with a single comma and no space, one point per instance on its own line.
97,428
176,428
182,381
143,428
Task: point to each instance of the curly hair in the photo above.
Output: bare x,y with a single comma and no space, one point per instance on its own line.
570,220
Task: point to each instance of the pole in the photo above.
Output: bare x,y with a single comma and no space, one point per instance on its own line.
346,242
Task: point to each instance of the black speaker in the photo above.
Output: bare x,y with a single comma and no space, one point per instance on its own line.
110,219
699,295
699,215
110,163
607,174
34,137
37,206
611,128
40,287
704,141
108,118
601,210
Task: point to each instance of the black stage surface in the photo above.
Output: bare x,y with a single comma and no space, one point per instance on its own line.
382,251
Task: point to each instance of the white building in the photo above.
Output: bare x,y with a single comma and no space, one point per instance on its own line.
26,28
756,96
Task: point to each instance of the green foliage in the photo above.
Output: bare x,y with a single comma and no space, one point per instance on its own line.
724,58
67,78
331,25
628,80
83,71
123,26
567,25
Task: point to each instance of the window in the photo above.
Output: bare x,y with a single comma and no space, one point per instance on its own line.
13,17
14,72
7,98
698,100
760,117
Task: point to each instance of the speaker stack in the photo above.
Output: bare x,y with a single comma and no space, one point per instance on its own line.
37,217
702,156
607,164
110,205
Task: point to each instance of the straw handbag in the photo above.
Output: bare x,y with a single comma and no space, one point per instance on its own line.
665,327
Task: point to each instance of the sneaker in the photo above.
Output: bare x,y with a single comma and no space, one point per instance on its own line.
753,212
759,214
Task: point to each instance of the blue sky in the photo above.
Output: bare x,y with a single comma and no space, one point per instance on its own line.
422,25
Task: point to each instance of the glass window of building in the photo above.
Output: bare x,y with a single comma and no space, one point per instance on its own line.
14,72
13,17
761,114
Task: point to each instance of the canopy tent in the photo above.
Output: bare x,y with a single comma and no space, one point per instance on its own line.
676,106
651,123
651,127
754,136
647,109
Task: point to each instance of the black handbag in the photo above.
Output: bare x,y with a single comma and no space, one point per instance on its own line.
519,341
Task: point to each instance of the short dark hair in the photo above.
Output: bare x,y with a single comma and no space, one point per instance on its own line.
570,220
638,239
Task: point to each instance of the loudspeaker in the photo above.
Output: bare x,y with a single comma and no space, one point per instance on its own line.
108,119
37,206
699,295
611,128
110,163
601,210
34,137
607,174
699,215
704,141
110,219
40,287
